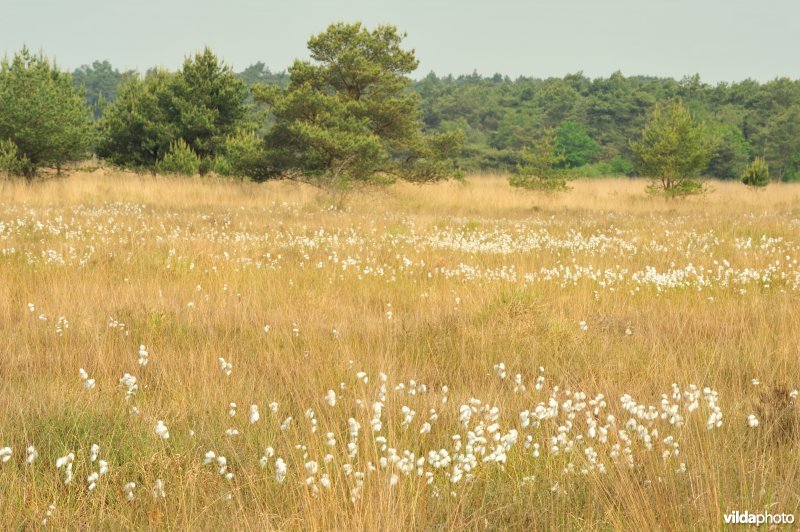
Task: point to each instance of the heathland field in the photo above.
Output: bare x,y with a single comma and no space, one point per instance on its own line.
208,355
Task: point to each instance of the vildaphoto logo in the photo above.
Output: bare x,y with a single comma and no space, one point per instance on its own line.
746,518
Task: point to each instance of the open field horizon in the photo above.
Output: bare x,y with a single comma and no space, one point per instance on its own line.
455,355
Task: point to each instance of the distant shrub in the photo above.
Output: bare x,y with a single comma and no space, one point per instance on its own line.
616,167
12,163
688,187
242,156
622,166
543,184
756,174
539,168
180,159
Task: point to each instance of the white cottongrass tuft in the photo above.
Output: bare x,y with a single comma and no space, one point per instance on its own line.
87,382
330,398
128,490
5,454
280,470
225,367
48,514
254,415
752,421
161,430
143,355
66,462
31,454
128,382
269,452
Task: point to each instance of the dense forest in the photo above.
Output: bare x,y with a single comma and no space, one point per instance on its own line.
594,119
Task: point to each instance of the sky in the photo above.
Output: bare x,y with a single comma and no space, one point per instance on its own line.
722,40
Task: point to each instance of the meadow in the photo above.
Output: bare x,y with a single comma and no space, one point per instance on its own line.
199,354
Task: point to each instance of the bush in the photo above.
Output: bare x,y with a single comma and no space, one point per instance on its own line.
618,166
538,170
622,166
756,174
180,159
12,163
542,184
242,156
686,187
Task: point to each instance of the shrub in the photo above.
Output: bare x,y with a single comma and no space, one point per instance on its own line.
684,187
242,156
618,166
12,162
622,166
756,174
538,170
180,159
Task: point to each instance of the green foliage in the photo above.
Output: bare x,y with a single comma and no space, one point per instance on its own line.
42,114
616,167
731,155
348,116
180,160
137,129
500,116
242,156
539,168
576,145
208,103
782,144
11,161
259,73
99,82
515,130
673,150
620,166
202,105
791,173
756,174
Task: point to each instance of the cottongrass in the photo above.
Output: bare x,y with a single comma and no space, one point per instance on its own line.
659,329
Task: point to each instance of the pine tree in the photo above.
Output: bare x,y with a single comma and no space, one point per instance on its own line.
42,114
756,174
673,150
349,116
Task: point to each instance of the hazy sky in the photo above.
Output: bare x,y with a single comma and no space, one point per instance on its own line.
722,40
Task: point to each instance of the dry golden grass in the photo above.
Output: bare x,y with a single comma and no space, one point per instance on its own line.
194,269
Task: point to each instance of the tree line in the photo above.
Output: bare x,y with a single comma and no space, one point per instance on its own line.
353,114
